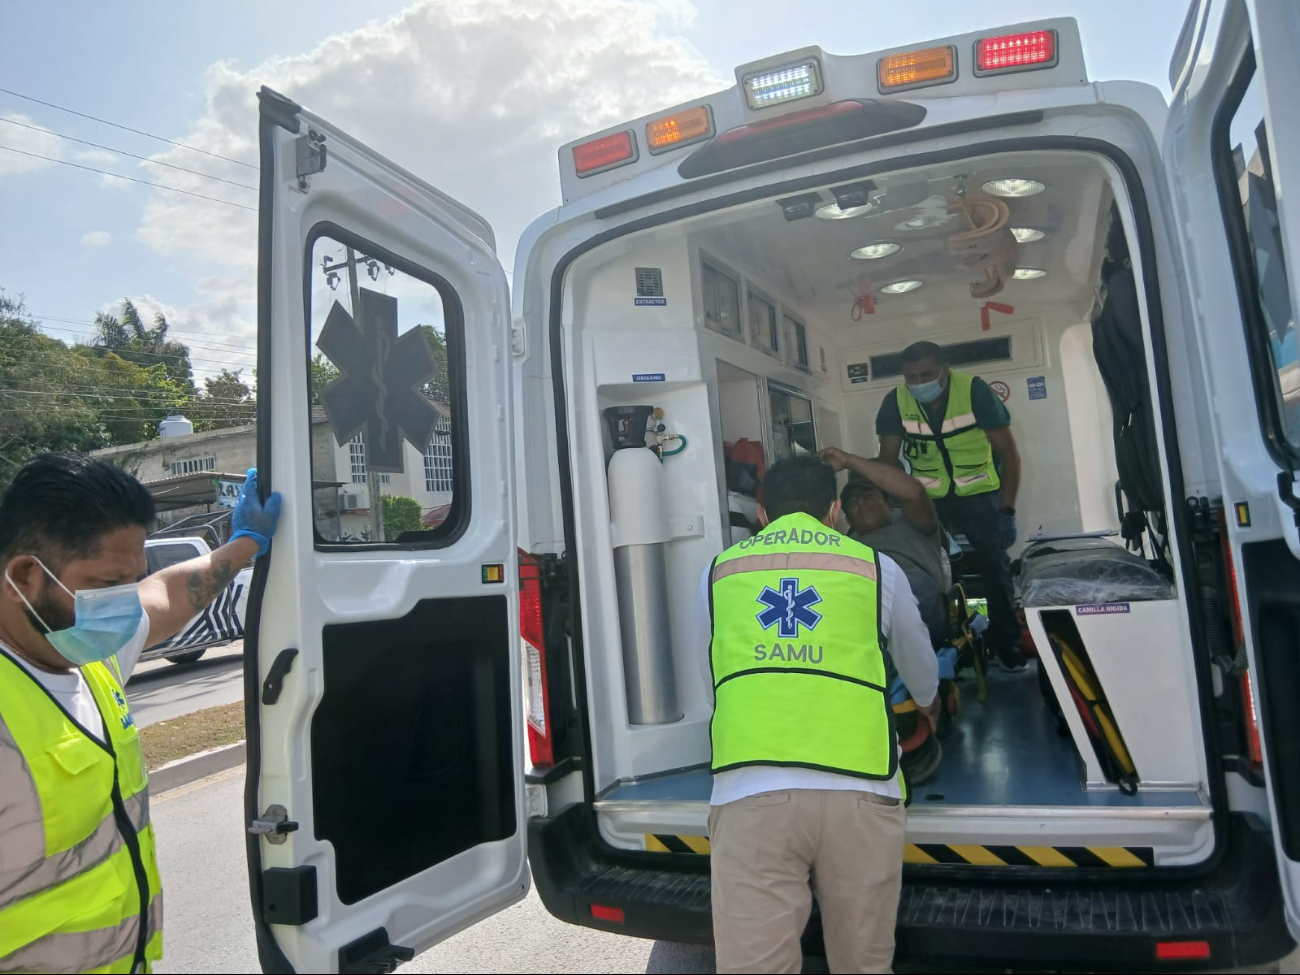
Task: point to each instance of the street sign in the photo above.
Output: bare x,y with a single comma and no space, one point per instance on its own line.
228,492
379,389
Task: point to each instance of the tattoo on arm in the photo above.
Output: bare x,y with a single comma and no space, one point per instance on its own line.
204,585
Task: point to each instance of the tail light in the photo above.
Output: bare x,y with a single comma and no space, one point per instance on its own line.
679,129
1015,52
1254,751
541,749
1182,950
916,69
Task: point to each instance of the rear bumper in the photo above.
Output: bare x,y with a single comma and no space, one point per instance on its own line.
1108,923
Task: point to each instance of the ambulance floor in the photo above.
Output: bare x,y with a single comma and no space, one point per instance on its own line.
1004,751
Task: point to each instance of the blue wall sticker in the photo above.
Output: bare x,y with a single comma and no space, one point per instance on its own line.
1038,387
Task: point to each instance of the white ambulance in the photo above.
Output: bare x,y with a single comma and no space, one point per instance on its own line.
729,282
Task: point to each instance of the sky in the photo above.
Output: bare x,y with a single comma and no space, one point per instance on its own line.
475,96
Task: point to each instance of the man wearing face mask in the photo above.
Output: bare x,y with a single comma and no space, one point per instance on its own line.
79,885
956,436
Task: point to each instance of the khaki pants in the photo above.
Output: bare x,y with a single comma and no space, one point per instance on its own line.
771,852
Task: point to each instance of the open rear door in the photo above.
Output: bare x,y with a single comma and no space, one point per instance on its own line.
384,798
1233,155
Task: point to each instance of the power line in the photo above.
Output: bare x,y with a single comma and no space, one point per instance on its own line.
125,128
123,152
132,179
210,345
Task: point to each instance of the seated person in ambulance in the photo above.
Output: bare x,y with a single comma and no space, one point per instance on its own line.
956,436
909,534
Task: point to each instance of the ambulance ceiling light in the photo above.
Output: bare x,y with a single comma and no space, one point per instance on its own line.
1029,273
877,250
1027,235
899,287
833,211
924,221
764,89
1014,187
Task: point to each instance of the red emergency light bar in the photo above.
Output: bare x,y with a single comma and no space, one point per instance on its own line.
604,153
1015,52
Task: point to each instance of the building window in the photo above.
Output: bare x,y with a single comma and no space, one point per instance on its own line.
437,459
796,342
762,325
721,301
193,465
357,455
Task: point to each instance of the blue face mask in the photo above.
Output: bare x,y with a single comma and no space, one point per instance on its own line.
926,392
107,620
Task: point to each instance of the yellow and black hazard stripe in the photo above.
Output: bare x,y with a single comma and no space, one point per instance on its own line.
672,843
1030,856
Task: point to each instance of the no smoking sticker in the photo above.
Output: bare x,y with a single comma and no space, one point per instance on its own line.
1002,390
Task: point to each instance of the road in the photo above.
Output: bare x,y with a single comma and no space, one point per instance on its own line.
160,690
209,925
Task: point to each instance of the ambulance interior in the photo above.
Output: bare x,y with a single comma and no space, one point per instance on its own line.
776,325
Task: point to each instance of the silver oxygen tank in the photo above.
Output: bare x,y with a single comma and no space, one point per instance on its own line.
639,524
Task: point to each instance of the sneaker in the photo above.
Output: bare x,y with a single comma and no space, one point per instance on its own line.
1009,658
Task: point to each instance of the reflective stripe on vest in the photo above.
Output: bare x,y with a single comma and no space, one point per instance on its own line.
76,844
798,670
959,454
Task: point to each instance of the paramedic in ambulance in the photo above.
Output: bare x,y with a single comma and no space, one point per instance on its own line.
79,886
807,797
909,534
956,436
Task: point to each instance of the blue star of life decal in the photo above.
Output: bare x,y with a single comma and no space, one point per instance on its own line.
790,607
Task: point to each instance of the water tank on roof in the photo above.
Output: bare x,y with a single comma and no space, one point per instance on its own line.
175,426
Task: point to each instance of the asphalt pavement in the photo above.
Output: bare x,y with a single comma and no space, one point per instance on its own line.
160,690
209,927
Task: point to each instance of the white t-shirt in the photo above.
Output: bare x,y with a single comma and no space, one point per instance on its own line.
913,655
71,690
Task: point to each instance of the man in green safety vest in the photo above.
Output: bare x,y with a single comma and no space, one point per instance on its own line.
79,885
956,436
806,791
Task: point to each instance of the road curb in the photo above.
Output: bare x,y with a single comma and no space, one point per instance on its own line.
183,771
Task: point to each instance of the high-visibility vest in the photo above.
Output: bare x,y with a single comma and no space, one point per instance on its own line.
959,454
798,669
79,885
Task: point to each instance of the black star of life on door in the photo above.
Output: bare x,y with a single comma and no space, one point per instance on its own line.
379,389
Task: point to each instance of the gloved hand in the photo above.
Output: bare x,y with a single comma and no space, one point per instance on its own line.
1008,524
253,519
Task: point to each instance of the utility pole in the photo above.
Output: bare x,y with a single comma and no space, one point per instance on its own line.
372,477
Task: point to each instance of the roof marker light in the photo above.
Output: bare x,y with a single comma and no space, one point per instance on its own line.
917,69
764,89
606,152
679,129
1015,52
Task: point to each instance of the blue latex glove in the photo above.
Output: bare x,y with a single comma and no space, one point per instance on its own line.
1008,529
253,519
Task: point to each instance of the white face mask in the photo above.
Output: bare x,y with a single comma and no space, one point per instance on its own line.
106,620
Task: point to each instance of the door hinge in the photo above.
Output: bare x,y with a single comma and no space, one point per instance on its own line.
311,156
518,339
274,824
373,953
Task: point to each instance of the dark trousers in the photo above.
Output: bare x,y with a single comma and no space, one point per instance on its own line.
979,518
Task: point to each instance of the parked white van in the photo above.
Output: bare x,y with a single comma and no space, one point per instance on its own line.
748,267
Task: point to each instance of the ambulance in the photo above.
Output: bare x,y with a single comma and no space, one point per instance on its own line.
515,691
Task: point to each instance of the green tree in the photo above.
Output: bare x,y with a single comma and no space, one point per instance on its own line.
323,372
438,388
401,514
226,401
128,337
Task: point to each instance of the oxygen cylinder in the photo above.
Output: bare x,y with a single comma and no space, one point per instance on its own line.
639,523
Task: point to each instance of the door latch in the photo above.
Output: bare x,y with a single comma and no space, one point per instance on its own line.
274,824
1286,491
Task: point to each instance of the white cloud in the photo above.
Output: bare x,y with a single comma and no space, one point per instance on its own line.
26,140
474,96
95,157
96,238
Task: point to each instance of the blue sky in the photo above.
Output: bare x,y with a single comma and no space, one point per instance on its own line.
502,87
